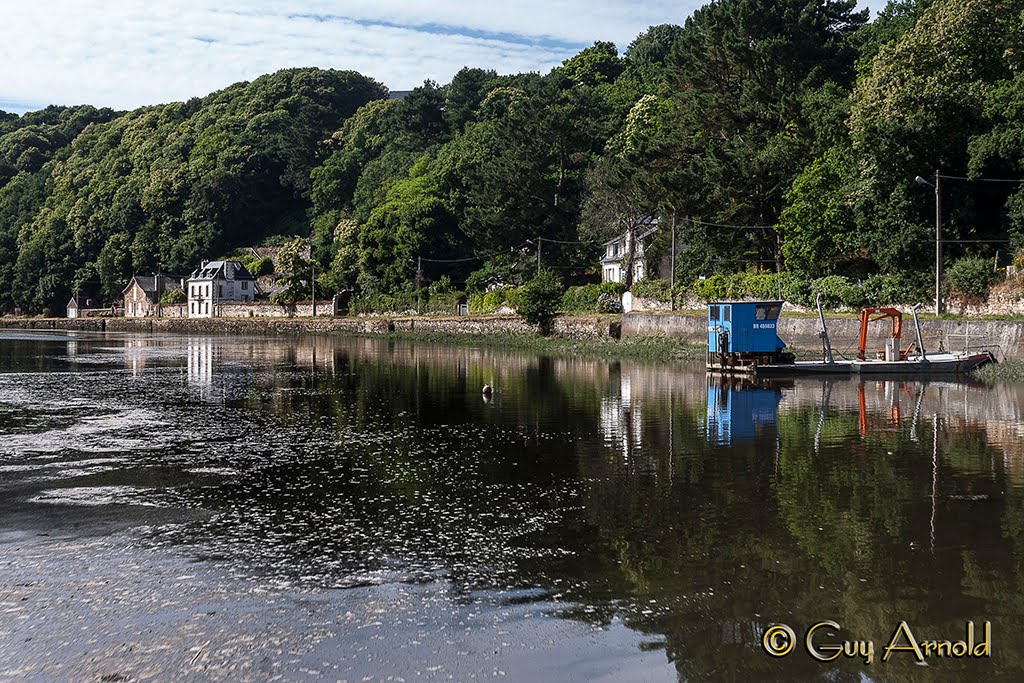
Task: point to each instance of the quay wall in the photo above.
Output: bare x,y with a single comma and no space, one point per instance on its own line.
569,327
1004,337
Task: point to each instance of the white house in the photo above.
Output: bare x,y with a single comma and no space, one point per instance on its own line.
217,282
615,251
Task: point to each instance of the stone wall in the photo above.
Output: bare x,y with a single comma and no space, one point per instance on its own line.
266,309
1005,338
571,327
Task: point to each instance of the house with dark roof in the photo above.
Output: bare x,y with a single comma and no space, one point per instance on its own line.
616,252
216,282
142,294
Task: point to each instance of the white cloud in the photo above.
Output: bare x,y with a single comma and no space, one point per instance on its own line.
126,53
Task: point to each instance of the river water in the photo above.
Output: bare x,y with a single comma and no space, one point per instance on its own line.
226,508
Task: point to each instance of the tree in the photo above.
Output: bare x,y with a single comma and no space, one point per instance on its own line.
294,273
918,110
816,224
740,70
540,298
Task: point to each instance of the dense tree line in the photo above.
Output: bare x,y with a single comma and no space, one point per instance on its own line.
775,135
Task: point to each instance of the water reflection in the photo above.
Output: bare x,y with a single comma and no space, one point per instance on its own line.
741,410
695,511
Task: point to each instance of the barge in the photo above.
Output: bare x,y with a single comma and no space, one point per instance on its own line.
743,340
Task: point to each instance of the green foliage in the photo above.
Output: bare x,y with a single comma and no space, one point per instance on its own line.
379,303
781,133
970,277
714,288
837,291
652,288
295,273
174,297
884,289
817,223
581,298
161,187
616,288
540,298
500,270
492,300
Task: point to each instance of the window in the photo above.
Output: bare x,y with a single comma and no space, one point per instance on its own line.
713,313
245,285
727,313
767,311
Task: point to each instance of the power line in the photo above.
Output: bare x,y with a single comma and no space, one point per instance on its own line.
548,239
976,241
728,225
981,180
450,260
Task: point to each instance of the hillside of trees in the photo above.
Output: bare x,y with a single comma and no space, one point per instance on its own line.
775,135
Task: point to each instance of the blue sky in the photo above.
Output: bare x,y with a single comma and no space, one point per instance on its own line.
128,53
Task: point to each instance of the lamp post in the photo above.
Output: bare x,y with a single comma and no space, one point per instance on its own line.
938,239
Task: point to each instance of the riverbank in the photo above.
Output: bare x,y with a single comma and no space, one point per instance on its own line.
654,336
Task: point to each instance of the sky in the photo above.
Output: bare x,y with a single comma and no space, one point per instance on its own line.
128,53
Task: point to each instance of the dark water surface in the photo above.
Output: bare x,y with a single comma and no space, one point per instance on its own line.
352,509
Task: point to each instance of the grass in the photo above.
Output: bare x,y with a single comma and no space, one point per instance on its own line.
1007,371
655,349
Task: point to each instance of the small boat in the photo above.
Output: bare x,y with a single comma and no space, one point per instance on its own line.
742,339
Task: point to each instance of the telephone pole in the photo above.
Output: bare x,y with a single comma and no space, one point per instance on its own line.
938,246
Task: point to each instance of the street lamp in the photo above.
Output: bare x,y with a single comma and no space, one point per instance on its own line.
938,239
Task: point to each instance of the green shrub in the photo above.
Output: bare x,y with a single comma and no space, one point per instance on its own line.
884,289
494,299
540,298
609,303
616,288
443,302
263,266
797,290
581,298
761,286
383,303
500,270
514,298
476,303
257,266
711,288
173,297
652,288
970,277
836,291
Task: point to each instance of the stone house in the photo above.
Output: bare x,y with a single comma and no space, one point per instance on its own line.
216,282
142,294
617,249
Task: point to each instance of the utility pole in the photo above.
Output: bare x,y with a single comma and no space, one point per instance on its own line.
938,246
419,272
672,272
312,283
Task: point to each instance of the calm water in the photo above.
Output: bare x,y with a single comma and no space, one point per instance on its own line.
341,508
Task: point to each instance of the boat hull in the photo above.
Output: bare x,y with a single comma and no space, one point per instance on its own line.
932,364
